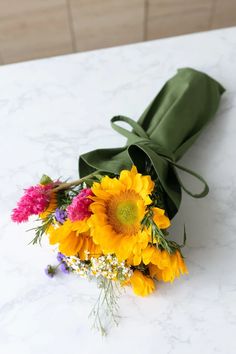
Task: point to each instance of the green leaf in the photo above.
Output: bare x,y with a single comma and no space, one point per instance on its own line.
45,180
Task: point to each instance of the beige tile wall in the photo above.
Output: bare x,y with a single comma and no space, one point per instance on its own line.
105,23
41,28
168,17
224,13
33,29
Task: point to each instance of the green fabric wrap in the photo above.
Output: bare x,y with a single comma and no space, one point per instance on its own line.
166,129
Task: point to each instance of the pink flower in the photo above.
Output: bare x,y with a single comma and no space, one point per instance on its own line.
79,208
33,202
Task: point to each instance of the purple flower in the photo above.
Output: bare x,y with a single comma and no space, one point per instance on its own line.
64,268
60,257
60,215
50,271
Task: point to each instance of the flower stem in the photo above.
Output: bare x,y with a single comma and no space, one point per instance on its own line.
77,182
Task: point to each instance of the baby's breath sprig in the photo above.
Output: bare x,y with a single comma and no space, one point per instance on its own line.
110,275
106,266
106,309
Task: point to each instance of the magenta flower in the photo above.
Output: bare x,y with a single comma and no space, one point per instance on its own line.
79,208
33,202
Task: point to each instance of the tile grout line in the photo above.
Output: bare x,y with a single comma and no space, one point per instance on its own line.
145,20
212,14
71,26
1,59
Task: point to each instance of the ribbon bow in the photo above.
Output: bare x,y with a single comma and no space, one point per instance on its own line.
166,129
141,149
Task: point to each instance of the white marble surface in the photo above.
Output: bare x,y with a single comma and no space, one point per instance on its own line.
53,110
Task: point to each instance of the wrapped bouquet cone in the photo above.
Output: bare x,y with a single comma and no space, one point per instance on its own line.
167,128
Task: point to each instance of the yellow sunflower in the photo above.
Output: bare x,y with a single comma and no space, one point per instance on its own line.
73,239
160,219
141,284
167,267
119,205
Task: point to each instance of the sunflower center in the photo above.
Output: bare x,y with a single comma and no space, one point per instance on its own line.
127,212
124,212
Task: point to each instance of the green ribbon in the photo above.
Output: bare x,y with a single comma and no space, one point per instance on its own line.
166,129
138,134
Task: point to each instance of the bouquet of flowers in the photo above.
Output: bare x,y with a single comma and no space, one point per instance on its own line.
112,224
